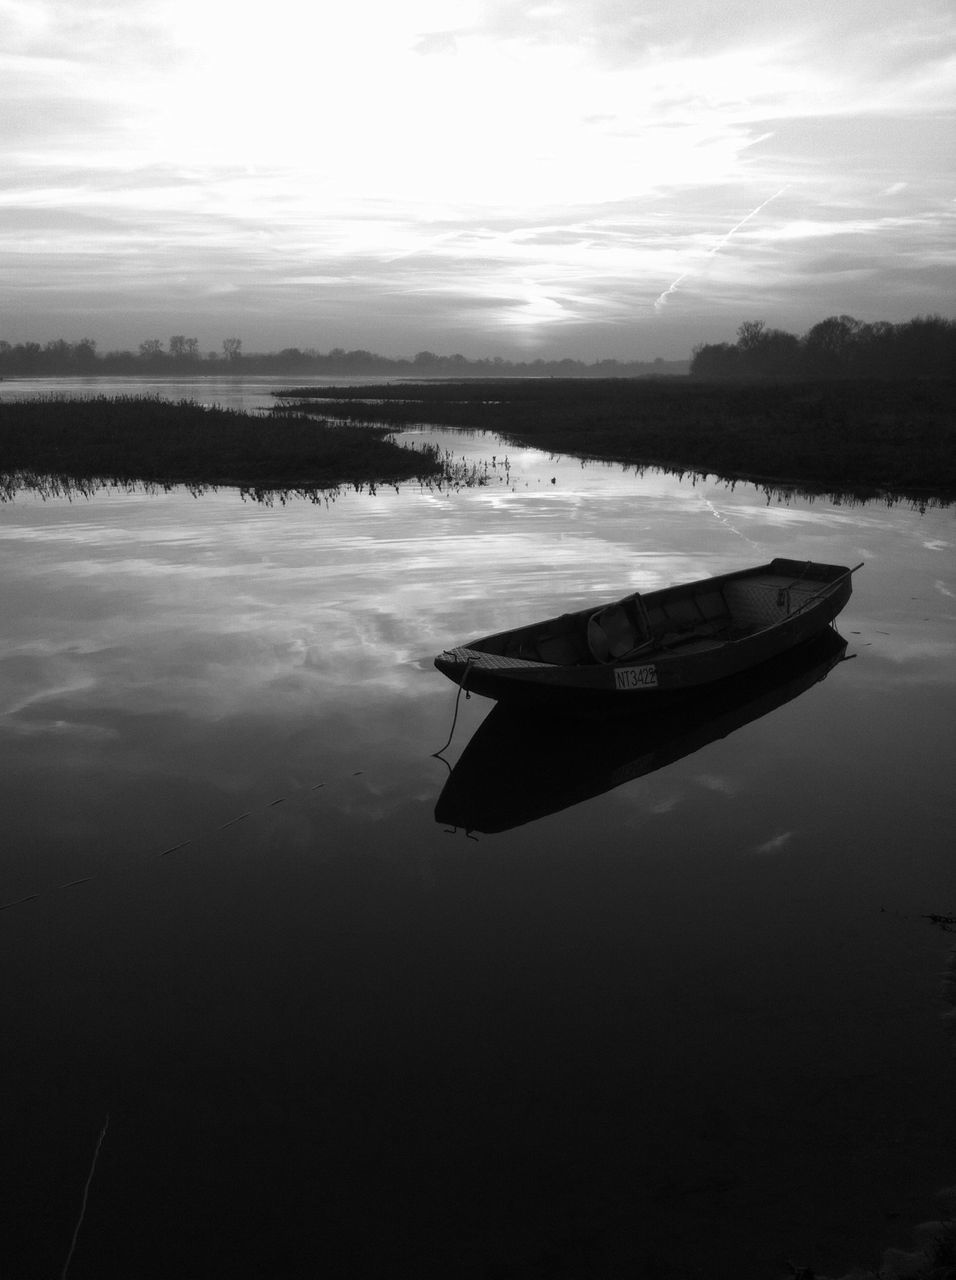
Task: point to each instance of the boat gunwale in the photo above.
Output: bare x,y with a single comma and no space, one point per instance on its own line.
482,650
593,689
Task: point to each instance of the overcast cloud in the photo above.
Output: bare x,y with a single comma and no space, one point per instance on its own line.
580,178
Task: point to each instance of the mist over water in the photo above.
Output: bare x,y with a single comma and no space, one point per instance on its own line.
692,1025
249,395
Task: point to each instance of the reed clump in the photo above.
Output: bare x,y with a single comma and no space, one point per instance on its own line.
118,440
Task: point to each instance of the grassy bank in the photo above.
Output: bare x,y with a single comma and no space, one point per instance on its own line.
119,440
860,438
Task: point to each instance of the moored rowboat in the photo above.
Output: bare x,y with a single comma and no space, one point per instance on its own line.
520,766
653,647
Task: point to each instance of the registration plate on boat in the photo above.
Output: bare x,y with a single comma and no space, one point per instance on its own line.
635,677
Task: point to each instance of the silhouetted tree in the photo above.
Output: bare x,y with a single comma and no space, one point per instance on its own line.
182,348
828,344
85,354
716,360
29,353
776,354
838,347
750,334
232,348
57,354
927,346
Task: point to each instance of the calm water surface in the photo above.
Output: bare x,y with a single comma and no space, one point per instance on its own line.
248,394
696,1025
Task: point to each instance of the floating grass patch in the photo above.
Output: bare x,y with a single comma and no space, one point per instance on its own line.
78,445
859,438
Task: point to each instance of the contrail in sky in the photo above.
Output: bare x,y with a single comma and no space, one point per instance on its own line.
672,287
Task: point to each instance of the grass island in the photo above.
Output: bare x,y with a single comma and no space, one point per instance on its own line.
861,438
121,440
854,438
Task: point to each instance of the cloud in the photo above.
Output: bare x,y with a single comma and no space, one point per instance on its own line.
437,42
540,171
729,787
724,239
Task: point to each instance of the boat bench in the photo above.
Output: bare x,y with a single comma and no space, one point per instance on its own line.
633,625
761,602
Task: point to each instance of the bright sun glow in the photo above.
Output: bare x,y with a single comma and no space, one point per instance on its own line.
356,109
474,166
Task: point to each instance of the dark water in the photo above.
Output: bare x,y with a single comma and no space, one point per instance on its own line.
694,1024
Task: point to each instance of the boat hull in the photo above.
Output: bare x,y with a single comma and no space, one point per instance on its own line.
659,676
519,767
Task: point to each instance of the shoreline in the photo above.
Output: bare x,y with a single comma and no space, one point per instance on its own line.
860,439
124,440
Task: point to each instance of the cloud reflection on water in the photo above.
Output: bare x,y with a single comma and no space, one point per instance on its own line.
775,843
257,683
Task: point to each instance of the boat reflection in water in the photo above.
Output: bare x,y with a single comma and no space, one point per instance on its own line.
521,766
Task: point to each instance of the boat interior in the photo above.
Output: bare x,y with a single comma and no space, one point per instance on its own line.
696,617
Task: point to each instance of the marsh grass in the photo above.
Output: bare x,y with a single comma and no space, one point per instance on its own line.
858,438
62,445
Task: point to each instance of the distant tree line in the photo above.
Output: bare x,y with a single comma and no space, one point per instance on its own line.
838,347
182,356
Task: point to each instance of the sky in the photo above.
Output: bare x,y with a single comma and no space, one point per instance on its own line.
591,178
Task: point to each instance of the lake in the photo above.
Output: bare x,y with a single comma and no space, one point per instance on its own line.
265,1015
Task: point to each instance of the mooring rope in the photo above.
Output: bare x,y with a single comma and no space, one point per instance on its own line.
436,755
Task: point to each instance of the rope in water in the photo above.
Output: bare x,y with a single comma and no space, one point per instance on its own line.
436,755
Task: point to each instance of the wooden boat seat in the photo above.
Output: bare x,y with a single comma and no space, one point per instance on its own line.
617,631
635,626
761,602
